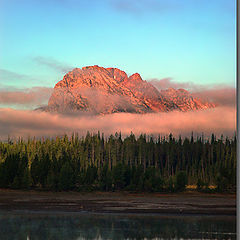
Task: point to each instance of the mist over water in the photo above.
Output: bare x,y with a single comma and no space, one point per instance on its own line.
96,226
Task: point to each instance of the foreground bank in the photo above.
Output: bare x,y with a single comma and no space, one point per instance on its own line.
119,202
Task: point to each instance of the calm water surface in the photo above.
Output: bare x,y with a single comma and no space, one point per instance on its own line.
60,226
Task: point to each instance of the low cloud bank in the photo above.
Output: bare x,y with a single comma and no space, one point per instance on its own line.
24,123
27,97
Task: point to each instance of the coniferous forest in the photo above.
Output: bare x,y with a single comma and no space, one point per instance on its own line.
143,163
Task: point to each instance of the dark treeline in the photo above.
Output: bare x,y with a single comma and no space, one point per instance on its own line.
136,164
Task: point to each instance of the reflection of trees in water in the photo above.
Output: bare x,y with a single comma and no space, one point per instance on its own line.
71,227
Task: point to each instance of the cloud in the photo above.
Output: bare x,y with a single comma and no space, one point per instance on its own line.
53,64
23,123
170,83
13,78
94,100
141,6
8,76
27,97
220,94
225,96
128,6
5,74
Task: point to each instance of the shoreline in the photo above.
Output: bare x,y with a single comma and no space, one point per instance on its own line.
186,203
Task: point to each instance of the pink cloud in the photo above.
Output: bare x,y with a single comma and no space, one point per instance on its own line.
166,83
24,123
225,96
28,97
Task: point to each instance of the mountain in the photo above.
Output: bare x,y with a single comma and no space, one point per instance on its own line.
108,90
184,100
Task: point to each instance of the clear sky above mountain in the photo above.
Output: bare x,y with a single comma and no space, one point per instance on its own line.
189,41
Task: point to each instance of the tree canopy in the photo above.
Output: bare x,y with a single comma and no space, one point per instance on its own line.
142,163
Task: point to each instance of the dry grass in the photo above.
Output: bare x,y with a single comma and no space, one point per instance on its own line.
195,187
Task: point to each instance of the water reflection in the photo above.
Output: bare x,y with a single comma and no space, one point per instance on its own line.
90,226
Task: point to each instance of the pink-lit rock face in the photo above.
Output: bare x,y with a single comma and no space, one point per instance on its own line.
108,90
183,99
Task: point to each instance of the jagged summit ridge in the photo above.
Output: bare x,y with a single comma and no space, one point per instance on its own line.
108,90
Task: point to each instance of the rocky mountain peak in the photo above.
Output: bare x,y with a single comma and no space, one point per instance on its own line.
91,67
109,90
136,77
117,74
183,90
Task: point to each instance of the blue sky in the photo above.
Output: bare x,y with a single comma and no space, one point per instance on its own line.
187,40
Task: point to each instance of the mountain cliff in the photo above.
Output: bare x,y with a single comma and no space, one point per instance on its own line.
108,90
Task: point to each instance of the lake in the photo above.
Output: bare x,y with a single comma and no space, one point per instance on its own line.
39,225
